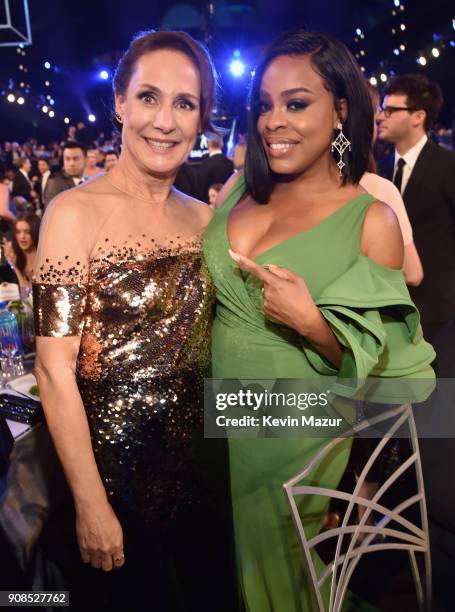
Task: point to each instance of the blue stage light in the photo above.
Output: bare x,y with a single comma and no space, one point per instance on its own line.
104,74
47,65
237,68
91,118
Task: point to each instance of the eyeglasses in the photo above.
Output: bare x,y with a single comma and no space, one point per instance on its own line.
389,110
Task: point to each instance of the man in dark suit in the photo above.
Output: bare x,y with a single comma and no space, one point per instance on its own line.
73,171
215,168
22,190
424,172
44,175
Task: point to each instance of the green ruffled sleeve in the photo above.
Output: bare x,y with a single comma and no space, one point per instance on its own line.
371,314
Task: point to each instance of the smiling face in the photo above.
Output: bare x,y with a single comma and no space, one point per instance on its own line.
296,116
160,112
43,166
24,235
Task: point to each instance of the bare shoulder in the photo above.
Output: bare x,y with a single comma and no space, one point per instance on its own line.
68,206
382,239
380,215
228,187
97,184
198,209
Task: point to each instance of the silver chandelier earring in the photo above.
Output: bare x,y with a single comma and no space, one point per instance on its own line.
118,117
341,143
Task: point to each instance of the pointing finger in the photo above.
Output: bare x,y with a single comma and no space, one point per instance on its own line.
283,273
252,267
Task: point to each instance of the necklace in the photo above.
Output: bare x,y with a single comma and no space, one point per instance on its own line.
132,195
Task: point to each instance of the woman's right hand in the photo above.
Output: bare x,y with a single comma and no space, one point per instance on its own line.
100,537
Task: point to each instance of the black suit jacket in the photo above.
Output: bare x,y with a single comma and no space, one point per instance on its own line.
186,180
429,198
55,185
37,185
215,169
21,187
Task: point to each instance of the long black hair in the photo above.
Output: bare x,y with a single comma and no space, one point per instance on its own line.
33,221
342,76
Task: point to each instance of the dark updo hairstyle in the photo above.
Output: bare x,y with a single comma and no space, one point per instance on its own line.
151,40
342,77
33,221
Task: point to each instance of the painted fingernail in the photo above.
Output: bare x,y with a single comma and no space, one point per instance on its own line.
234,256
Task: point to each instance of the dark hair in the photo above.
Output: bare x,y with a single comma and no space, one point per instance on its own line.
341,74
33,222
420,92
72,144
216,186
111,152
375,98
152,40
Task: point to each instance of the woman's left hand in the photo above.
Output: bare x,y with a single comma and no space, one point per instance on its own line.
9,252
286,295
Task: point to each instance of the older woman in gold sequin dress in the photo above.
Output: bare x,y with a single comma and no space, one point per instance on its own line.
123,306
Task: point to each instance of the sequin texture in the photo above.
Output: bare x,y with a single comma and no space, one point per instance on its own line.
143,313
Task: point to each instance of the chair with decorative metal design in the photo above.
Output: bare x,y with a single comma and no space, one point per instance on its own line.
355,540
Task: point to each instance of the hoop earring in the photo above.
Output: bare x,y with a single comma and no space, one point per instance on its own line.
118,117
341,143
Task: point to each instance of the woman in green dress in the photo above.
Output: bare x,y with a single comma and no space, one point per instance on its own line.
308,269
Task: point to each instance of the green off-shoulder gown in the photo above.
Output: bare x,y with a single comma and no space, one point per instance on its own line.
369,309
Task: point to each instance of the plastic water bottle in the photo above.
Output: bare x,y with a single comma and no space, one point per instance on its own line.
10,344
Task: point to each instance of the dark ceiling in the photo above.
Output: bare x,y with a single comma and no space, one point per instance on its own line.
81,37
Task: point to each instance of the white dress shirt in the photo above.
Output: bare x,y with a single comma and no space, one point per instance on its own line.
410,158
44,178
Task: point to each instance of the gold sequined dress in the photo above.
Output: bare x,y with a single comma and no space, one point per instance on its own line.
142,308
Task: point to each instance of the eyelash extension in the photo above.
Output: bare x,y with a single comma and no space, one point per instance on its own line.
262,107
259,106
300,104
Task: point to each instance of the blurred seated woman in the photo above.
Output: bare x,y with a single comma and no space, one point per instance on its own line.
21,251
91,164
